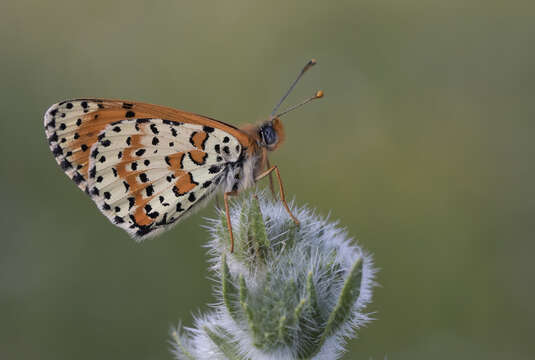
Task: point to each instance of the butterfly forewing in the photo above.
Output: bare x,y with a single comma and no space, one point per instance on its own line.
145,166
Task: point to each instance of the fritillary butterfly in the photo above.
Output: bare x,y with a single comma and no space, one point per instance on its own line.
148,166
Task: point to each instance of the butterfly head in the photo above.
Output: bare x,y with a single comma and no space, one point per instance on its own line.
270,134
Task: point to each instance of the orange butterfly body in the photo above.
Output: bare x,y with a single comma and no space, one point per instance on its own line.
147,166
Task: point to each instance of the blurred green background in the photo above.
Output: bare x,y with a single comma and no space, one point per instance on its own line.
422,147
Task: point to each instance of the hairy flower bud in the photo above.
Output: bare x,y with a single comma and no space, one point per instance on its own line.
287,291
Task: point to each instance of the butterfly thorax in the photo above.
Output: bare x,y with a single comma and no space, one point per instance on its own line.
241,174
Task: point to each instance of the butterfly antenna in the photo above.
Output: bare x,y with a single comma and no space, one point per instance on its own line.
308,65
318,95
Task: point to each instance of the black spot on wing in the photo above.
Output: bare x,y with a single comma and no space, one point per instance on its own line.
142,229
77,178
163,221
51,124
53,138
214,169
65,164
57,151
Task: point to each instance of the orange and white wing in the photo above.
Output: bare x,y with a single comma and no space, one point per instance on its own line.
145,166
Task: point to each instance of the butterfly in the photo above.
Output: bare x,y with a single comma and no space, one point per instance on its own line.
148,166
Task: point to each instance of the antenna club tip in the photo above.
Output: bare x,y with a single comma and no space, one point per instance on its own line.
310,63
319,94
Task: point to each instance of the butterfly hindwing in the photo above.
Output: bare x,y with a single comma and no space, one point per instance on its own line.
144,173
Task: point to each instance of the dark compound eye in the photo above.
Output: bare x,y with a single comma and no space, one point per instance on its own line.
268,135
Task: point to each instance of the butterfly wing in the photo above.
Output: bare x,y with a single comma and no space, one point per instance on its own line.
145,166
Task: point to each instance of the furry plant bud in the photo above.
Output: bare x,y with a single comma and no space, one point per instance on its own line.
287,291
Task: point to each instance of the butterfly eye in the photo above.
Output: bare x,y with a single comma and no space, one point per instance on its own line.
268,135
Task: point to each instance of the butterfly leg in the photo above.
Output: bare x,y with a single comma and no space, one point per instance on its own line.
227,212
271,187
281,189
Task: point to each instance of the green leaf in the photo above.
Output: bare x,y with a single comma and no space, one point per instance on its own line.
299,309
283,332
312,325
348,296
247,309
222,230
257,230
226,345
230,291
243,246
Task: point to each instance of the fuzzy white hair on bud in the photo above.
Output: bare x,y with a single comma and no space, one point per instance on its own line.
286,292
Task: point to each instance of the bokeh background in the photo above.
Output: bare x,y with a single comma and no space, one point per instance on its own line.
422,147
